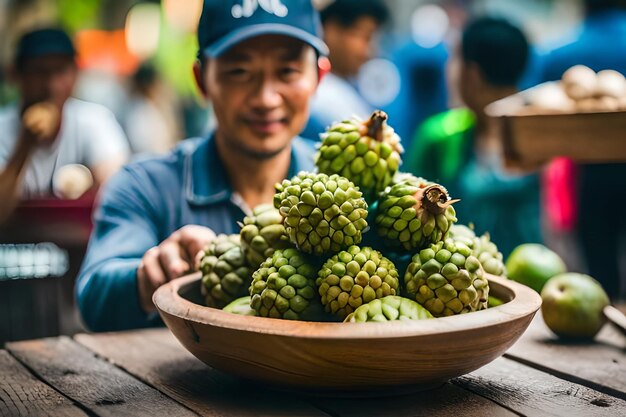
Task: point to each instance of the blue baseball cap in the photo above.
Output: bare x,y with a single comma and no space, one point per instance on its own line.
225,23
40,42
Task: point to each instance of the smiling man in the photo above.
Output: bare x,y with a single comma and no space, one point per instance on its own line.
258,67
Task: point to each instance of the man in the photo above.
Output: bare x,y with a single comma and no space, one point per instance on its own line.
596,44
49,129
258,67
350,27
459,149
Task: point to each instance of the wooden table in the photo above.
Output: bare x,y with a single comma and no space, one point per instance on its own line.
148,373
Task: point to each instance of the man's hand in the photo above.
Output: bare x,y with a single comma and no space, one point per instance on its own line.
41,122
174,257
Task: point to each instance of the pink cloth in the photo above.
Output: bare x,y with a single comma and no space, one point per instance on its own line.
560,194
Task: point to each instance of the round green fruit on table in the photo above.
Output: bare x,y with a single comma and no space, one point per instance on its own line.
533,265
572,305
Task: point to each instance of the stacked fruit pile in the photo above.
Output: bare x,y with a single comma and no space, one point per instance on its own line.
304,258
581,89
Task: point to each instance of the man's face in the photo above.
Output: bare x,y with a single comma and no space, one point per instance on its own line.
47,78
351,46
260,91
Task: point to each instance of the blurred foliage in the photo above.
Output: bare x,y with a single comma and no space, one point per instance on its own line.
175,57
76,15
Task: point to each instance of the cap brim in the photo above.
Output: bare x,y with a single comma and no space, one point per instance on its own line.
46,49
235,37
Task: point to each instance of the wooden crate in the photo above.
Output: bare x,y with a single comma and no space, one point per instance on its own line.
532,136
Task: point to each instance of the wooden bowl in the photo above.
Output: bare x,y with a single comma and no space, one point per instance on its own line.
346,357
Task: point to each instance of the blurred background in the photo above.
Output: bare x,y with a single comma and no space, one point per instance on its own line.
123,44
135,58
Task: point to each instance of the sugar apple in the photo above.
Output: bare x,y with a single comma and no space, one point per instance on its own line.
225,273
241,306
389,308
354,277
414,213
262,233
447,279
284,287
366,152
322,213
482,247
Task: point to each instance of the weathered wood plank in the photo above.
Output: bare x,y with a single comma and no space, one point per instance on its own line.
535,393
21,394
94,383
445,401
599,364
156,357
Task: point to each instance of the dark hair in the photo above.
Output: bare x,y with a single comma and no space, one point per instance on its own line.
599,5
145,77
346,12
499,48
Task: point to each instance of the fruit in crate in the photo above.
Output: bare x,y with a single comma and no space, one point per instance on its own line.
354,277
241,306
414,213
262,233
225,273
610,83
579,82
389,308
447,279
366,152
284,287
321,213
572,305
533,265
582,89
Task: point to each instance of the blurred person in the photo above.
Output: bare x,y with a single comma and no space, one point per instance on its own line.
423,87
598,43
460,149
48,129
421,61
150,121
349,27
258,66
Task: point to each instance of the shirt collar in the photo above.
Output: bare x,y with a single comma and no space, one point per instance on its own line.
205,179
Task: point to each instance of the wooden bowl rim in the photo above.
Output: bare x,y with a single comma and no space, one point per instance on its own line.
525,301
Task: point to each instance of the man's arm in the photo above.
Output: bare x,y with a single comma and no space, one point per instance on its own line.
126,261
11,179
40,124
125,227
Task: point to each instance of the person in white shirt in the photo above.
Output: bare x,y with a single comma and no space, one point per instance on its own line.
48,129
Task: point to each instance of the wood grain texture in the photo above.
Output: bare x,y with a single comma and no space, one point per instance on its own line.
21,394
337,356
157,358
94,383
535,393
599,364
446,401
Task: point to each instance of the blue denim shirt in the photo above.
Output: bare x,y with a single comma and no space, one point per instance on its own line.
140,207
